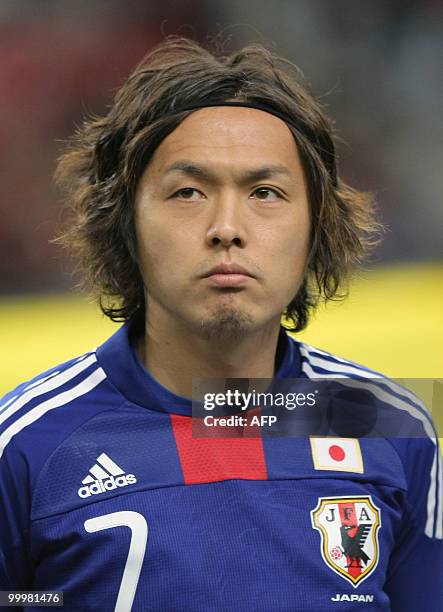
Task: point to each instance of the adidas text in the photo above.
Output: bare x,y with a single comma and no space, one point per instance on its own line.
101,486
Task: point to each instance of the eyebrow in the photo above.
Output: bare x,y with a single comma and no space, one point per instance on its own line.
248,176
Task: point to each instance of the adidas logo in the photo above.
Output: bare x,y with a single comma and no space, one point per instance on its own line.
105,475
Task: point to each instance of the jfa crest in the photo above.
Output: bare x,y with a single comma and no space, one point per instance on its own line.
348,528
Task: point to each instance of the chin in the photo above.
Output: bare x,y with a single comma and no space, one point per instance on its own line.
226,323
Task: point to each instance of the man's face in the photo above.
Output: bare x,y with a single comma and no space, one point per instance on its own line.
226,187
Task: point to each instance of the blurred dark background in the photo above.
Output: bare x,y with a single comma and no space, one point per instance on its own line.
376,66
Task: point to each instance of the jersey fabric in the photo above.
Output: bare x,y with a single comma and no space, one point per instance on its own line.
107,496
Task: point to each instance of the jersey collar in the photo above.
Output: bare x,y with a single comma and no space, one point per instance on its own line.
120,360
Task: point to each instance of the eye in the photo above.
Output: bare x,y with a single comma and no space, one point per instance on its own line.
188,193
266,194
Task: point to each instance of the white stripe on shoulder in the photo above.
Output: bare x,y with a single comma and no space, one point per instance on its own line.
439,517
332,356
330,361
35,383
430,504
380,394
49,384
434,523
406,401
349,367
61,399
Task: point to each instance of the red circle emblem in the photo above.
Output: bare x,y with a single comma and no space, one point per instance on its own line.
336,452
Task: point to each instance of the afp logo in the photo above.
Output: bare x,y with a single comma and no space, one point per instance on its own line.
348,528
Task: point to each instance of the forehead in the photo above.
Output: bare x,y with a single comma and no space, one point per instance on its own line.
230,132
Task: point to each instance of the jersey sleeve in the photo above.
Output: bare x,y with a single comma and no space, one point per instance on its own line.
415,576
32,426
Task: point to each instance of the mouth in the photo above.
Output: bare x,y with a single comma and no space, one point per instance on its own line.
228,275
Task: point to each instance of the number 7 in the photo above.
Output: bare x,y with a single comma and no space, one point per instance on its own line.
139,536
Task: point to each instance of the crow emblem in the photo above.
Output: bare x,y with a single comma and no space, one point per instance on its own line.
352,546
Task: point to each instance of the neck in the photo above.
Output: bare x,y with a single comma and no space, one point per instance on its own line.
174,355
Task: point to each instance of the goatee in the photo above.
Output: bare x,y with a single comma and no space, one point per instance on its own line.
226,323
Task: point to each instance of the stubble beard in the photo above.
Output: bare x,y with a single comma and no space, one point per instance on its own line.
226,323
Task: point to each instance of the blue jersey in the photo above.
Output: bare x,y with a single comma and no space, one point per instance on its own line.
106,495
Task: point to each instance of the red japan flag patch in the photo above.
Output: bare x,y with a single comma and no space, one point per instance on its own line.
337,454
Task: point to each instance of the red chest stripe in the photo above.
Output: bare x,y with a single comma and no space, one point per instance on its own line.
216,458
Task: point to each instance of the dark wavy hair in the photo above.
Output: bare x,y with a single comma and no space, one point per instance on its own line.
104,161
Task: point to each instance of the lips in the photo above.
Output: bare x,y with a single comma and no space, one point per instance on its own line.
228,275
228,269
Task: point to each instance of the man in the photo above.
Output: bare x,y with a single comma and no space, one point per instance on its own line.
205,205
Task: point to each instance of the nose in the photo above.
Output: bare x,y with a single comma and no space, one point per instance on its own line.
226,226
